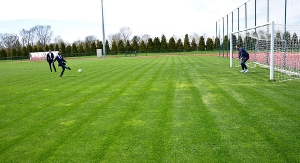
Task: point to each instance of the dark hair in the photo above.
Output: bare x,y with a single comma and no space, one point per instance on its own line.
237,45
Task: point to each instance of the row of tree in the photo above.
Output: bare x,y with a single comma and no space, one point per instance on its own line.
89,48
38,39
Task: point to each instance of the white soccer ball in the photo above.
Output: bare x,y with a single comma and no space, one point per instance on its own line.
79,70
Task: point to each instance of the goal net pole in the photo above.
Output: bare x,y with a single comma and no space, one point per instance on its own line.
272,52
231,51
272,35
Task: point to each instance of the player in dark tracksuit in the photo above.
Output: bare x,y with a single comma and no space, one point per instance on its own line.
61,62
50,57
244,56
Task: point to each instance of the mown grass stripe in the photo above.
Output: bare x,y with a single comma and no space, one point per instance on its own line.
134,102
208,139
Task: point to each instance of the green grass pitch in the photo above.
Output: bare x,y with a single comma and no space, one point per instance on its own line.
183,108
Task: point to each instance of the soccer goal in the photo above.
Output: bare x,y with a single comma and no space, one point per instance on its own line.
270,46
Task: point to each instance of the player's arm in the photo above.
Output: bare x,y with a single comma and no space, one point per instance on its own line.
239,55
54,60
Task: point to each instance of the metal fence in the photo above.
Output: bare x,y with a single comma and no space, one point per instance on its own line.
253,13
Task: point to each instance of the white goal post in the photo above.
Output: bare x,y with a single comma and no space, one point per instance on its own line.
268,41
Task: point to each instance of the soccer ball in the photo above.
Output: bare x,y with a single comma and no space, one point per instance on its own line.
79,70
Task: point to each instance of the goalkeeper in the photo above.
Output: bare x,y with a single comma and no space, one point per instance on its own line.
244,56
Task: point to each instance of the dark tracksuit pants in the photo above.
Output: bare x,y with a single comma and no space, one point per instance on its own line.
51,64
63,66
243,63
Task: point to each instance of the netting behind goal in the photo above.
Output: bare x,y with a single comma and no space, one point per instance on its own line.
271,46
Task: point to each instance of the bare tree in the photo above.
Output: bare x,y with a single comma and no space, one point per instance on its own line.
145,38
58,40
116,37
23,35
43,34
90,39
8,40
125,33
78,42
27,36
30,36
1,42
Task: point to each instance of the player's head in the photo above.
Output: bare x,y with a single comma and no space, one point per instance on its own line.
58,53
237,46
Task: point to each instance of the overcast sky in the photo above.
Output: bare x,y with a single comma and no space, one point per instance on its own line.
74,20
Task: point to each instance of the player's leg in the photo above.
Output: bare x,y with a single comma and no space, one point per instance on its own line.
53,66
50,66
243,65
67,67
62,70
246,68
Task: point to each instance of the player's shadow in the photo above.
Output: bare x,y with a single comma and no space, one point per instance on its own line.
72,76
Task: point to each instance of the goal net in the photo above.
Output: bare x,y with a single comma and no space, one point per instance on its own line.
272,46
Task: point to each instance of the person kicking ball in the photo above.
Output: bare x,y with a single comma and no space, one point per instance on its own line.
61,62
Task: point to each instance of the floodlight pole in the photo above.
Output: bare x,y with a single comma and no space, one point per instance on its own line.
103,33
